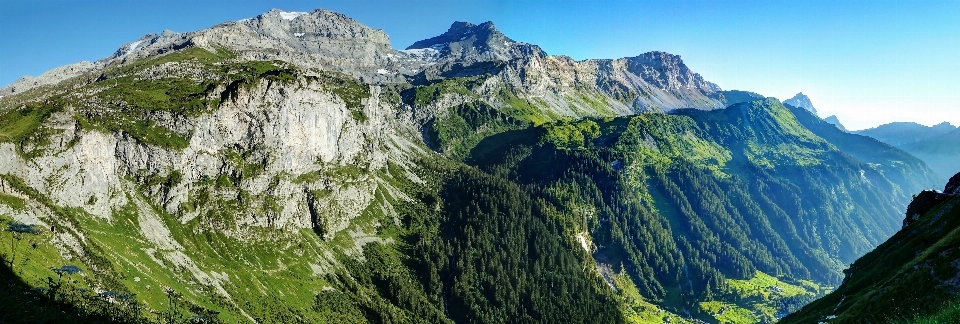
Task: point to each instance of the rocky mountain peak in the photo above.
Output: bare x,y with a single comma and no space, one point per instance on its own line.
319,23
467,43
801,101
667,71
330,41
485,34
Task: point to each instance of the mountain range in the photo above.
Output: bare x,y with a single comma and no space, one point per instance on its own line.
295,167
938,145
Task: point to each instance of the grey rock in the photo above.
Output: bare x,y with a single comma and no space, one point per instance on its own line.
53,76
900,133
801,101
467,43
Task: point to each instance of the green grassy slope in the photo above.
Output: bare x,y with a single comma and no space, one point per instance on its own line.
687,204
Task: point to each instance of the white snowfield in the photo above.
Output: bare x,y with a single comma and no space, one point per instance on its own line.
290,15
134,45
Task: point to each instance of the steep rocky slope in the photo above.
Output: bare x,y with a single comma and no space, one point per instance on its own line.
294,167
912,275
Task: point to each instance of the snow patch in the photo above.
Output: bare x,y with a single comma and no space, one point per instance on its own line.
421,51
291,15
424,54
382,71
298,34
134,45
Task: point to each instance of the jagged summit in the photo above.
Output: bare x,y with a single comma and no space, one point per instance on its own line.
465,43
296,36
667,71
329,41
801,101
485,33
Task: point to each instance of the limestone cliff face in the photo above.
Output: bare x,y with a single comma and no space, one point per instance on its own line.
284,130
277,156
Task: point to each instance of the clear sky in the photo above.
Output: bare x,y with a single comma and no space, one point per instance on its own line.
868,62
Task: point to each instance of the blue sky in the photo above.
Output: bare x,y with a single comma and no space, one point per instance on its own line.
868,62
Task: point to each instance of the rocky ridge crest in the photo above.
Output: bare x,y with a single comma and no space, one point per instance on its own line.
330,41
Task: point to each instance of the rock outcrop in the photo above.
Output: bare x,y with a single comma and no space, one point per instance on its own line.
927,199
953,185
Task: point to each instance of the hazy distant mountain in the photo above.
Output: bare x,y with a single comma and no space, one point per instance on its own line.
801,101
835,121
942,153
899,133
938,145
